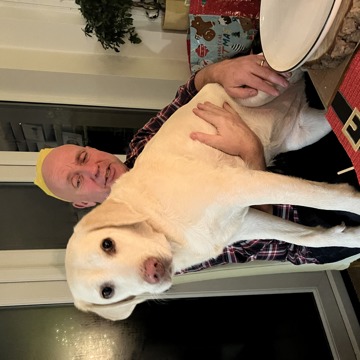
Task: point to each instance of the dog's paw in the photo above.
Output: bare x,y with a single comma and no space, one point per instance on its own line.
350,236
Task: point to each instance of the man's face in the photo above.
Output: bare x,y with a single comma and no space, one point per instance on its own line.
81,174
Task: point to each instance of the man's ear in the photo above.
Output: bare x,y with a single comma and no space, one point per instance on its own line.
83,204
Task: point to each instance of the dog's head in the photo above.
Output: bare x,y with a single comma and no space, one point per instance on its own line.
113,257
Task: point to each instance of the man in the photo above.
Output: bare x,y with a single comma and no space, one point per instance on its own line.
84,176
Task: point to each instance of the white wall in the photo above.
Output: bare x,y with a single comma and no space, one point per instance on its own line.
45,57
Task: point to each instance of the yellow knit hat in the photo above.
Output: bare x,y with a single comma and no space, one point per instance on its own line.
39,180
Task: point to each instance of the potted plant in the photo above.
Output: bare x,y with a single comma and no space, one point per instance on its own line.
110,20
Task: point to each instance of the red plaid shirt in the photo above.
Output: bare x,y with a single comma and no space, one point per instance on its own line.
242,251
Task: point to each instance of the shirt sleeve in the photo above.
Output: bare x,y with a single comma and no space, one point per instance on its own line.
184,94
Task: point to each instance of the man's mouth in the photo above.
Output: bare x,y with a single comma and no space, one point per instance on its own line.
107,175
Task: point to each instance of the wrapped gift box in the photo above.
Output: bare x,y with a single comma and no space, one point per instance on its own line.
344,112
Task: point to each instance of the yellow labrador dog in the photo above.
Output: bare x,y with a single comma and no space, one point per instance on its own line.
183,202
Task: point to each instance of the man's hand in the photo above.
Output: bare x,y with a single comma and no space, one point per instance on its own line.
242,77
233,137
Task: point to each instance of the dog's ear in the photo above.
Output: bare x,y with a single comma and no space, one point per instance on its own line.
116,311
109,213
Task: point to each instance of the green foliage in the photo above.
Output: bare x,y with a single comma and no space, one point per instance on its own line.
110,20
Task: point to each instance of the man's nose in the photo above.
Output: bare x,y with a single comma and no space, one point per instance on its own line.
91,170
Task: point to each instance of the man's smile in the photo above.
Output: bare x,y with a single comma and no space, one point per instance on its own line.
108,176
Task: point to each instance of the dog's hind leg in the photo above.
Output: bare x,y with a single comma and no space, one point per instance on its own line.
312,125
268,188
260,225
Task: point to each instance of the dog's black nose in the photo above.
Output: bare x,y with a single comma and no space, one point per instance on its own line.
154,270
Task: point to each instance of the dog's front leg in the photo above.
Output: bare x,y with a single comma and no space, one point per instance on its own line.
260,225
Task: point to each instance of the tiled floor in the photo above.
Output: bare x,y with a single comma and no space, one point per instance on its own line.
252,327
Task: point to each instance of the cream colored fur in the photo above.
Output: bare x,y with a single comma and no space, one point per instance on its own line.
183,202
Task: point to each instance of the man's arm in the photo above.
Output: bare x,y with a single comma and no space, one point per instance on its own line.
242,77
233,136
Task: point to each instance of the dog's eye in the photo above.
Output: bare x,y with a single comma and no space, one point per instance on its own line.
108,245
107,292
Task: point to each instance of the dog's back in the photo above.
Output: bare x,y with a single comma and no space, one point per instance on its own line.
286,123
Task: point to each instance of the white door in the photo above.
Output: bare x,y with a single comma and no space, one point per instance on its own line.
31,276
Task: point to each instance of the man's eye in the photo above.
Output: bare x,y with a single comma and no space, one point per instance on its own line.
83,157
76,181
